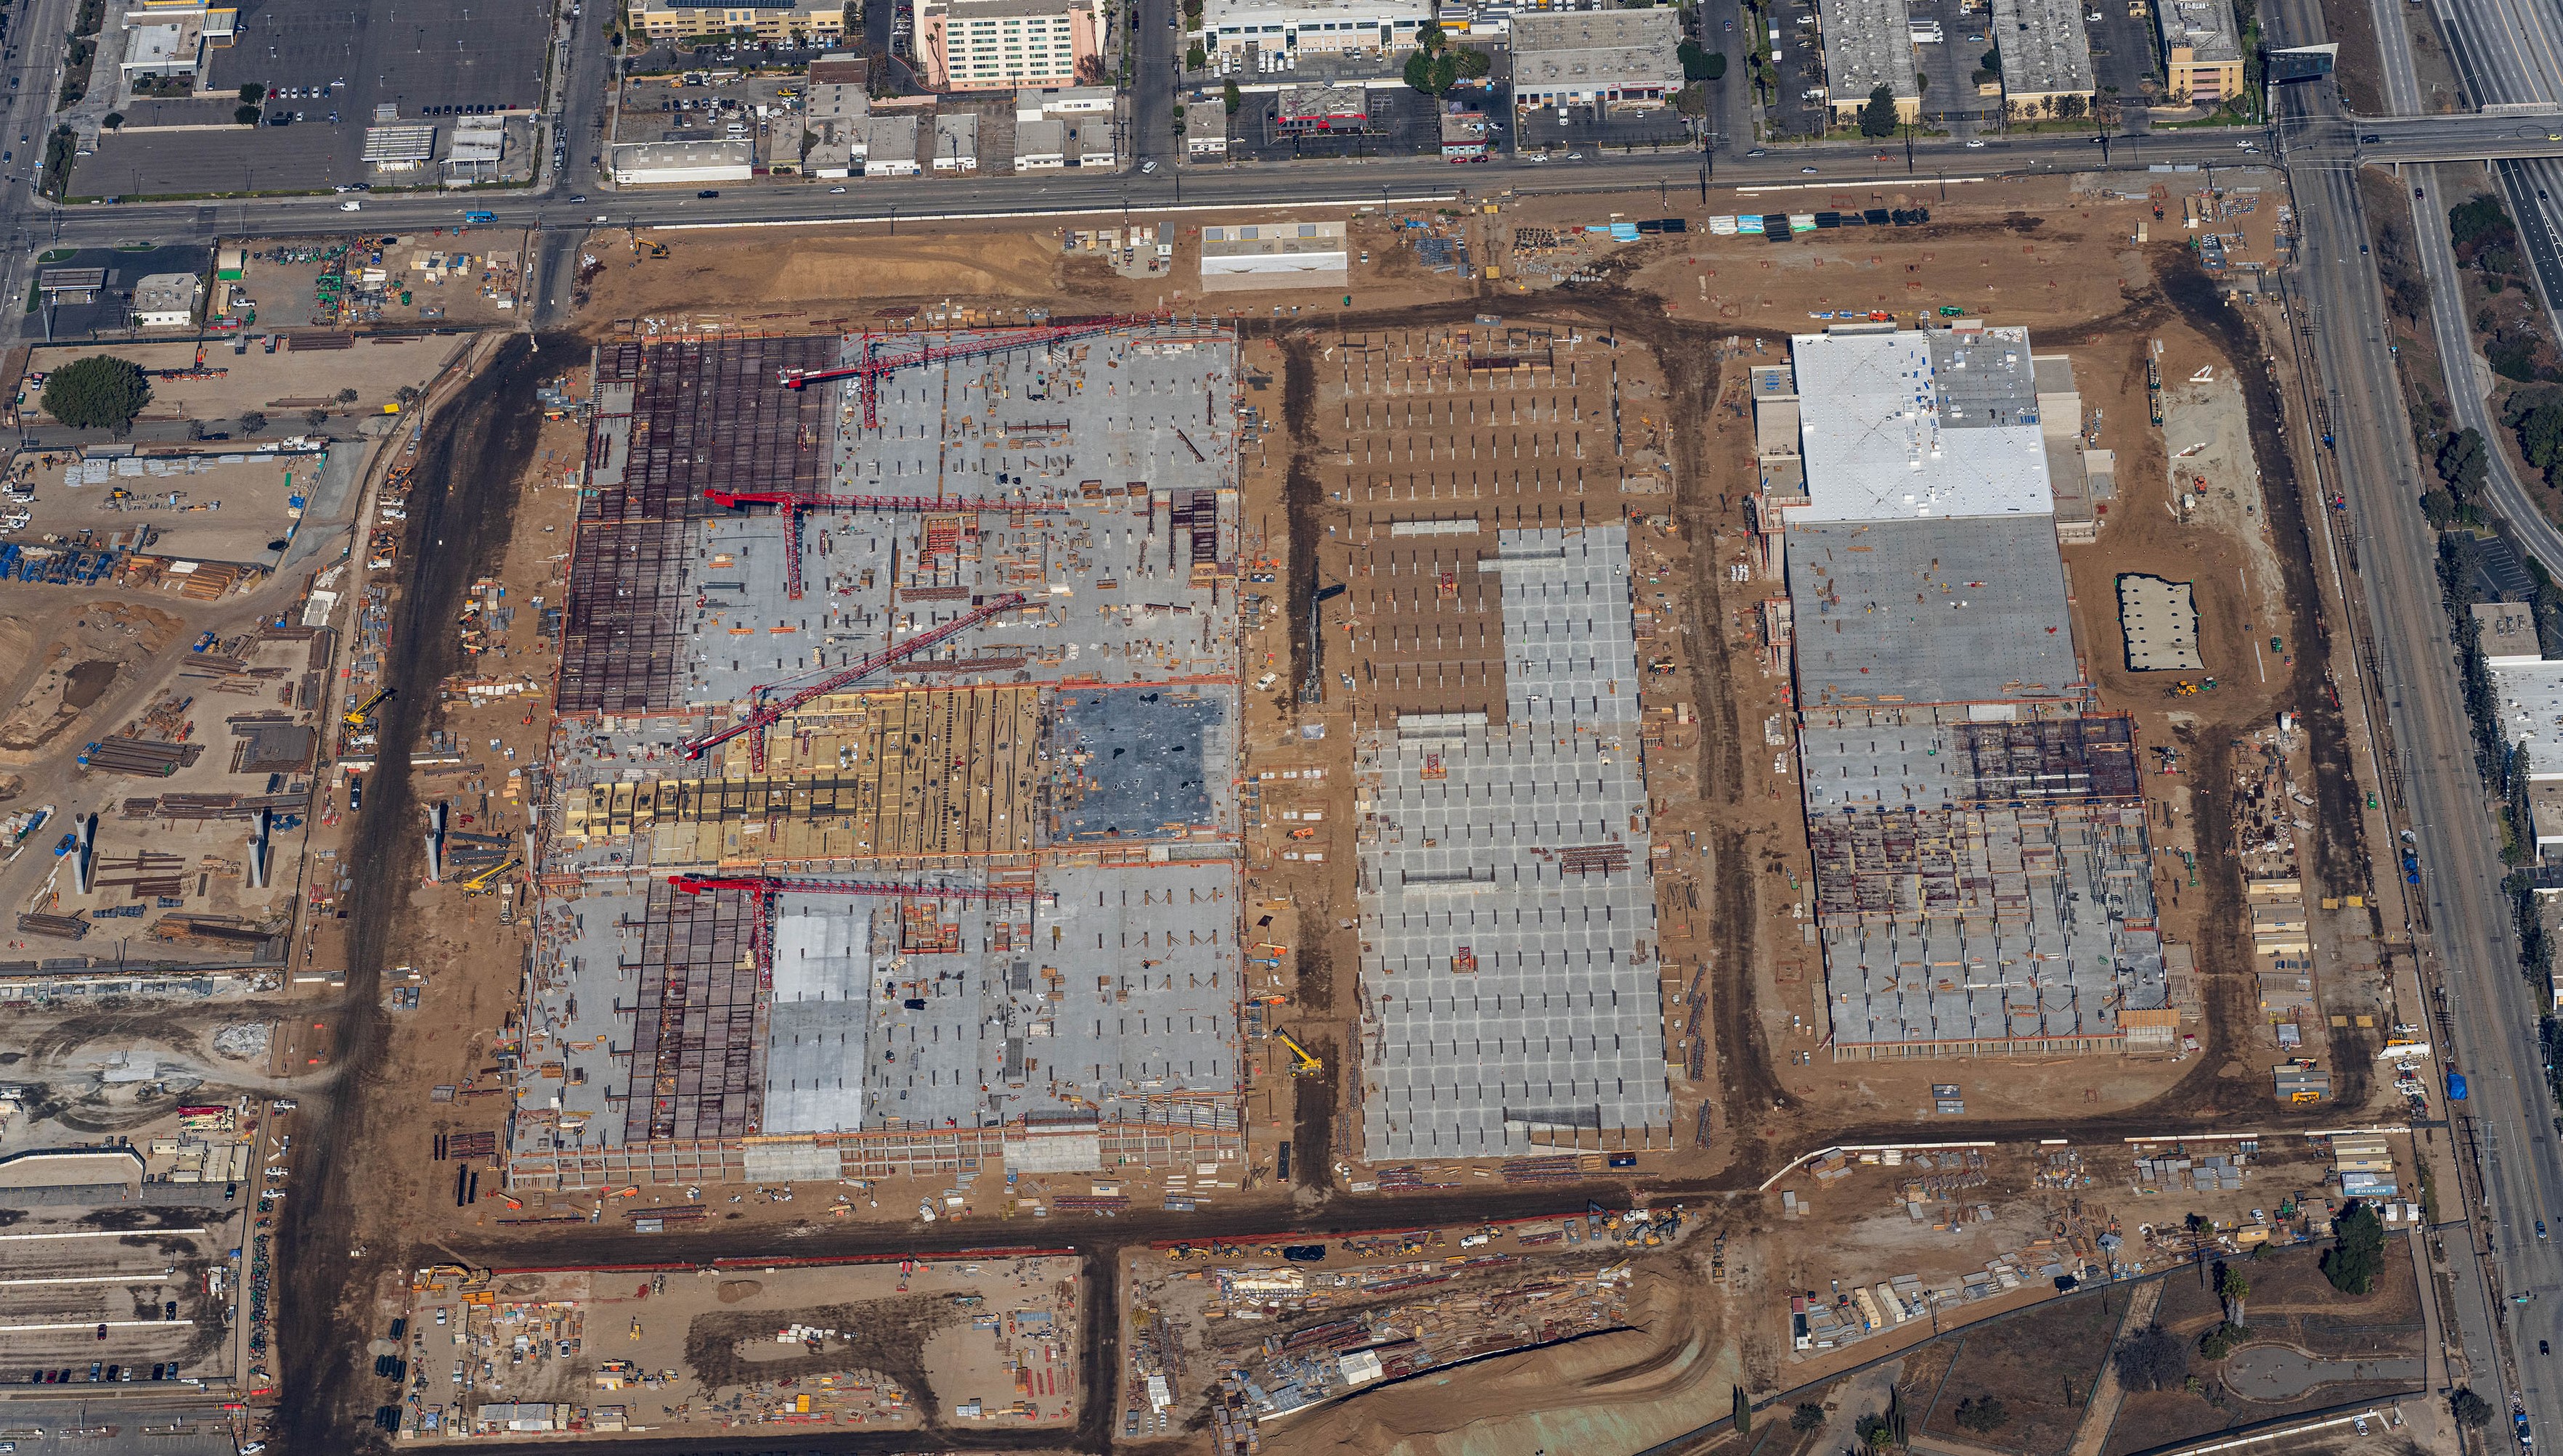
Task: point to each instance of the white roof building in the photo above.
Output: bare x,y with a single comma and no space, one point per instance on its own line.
663,163
1866,44
956,142
166,300
887,145
1595,58
1901,426
1040,145
1314,24
2531,713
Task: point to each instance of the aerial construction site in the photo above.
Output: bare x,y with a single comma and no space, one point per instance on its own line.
1431,861
890,772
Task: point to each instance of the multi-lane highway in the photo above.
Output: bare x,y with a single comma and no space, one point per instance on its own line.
2461,923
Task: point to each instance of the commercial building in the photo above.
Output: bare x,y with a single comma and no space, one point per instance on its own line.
885,144
1378,27
956,142
2045,53
1001,44
403,147
1463,135
1305,110
166,300
1977,822
157,46
1206,129
1065,102
1869,44
2531,713
1041,145
478,148
668,163
809,21
2202,49
1596,57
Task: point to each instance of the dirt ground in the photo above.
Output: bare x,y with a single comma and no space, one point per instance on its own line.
2020,252
281,384
2291,1305
896,1344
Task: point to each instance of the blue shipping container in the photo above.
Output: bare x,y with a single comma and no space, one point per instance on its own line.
2456,1087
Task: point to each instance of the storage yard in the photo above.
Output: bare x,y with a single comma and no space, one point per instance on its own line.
980,1341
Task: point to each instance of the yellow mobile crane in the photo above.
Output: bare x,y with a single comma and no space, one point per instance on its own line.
1306,1064
479,882
356,716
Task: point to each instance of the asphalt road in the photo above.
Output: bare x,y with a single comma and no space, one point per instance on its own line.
2488,1017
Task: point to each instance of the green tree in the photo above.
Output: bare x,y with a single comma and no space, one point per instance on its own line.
346,396
96,393
1431,75
2152,1359
1234,97
2357,1255
1984,1414
1430,38
251,423
2469,1408
253,94
1877,118
245,115
1473,64
2071,108
112,121
1992,61
2233,1286
1805,1417
1195,58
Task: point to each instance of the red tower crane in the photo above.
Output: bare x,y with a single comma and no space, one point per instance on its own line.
874,364
765,714
794,506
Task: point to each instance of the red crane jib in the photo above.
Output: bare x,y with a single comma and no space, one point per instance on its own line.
765,714
973,505
766,885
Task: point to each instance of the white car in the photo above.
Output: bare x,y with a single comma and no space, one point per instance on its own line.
1975,141
351,205
834,190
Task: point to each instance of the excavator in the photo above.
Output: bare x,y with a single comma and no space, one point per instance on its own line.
1306,1063
357,716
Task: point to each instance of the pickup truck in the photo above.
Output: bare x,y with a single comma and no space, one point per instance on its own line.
479,217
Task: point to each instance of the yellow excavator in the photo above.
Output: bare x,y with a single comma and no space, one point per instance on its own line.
356,716
1306,1064
481,881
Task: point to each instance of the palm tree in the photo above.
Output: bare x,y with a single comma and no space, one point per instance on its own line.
2233,1286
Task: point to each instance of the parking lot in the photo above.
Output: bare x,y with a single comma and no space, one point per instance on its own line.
1402,123
118,1295
1948,66
1581,127
325,67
